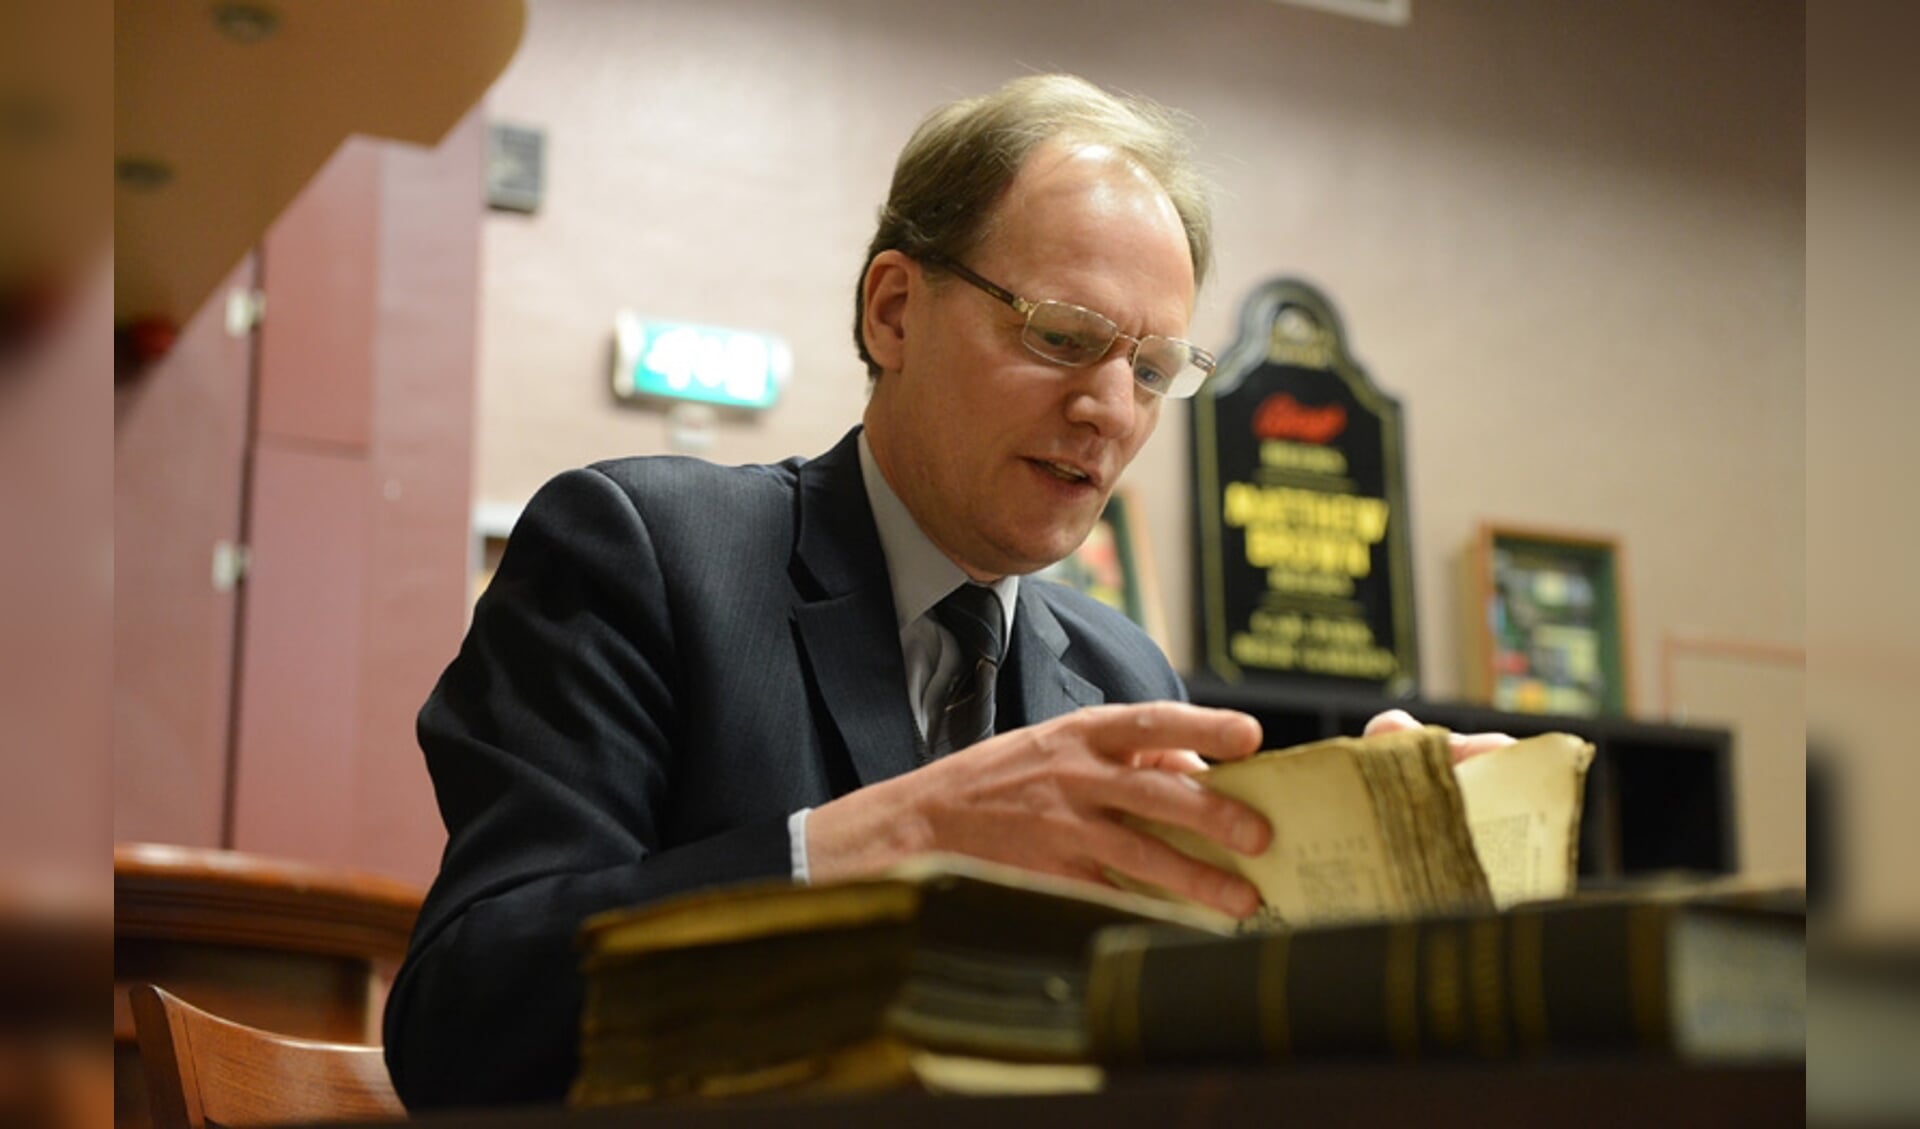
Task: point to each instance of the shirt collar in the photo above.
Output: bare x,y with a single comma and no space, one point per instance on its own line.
920,573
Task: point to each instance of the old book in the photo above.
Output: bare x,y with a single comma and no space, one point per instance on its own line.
948,974
1389,827
958,975
1706,980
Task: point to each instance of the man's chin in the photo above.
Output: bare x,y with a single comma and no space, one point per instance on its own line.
1026,559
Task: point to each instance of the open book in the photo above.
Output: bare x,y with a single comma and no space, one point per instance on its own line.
1389,827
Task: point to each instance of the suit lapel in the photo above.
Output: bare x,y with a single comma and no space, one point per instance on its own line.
1048,688
845,618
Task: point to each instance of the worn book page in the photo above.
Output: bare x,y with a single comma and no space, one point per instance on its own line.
1329,860
1387,826
1419,802
1523,809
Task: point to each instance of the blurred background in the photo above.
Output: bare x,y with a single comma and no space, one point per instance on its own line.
367,262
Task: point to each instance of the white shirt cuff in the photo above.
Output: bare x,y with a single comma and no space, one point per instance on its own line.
797,850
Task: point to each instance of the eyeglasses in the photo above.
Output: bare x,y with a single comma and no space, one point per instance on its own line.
1074,336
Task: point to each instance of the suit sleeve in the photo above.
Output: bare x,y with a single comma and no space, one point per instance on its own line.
551,740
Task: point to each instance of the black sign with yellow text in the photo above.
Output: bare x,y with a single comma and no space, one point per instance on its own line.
1303,551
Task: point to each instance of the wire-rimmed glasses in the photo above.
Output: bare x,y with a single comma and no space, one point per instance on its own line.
1074,336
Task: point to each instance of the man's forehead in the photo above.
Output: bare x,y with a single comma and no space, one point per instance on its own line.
1063,183
1066,167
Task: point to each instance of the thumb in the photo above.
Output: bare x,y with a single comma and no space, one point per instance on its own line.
1465,745
1391,721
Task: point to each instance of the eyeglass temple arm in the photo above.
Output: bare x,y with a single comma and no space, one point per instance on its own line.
1000,292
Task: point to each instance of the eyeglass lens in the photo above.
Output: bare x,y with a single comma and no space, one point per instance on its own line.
1074,335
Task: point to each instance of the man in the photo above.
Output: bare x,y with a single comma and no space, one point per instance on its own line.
685,675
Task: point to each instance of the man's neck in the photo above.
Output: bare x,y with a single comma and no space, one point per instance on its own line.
918,569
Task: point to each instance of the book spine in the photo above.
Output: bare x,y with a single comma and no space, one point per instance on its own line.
1525,981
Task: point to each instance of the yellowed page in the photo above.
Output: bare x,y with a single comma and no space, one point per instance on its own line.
1327,861
778,908
1523,810
960,1074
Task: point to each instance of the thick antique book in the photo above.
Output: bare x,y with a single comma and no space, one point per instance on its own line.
945,974
1704,978
1388,826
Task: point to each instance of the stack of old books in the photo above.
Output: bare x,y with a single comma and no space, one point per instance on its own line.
1409,907
947,973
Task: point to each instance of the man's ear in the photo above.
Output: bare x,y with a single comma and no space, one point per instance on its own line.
891,279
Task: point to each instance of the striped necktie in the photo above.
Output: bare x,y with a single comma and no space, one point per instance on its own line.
972,613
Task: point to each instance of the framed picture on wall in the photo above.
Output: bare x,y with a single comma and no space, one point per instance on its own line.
1115,566
1550,614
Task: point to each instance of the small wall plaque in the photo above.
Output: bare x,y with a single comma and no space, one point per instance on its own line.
516,167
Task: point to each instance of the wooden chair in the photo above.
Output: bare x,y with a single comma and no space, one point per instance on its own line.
286,946
206,1071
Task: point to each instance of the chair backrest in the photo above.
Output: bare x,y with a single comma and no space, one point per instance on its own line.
203,1070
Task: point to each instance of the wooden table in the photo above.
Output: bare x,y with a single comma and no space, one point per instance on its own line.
1570,1094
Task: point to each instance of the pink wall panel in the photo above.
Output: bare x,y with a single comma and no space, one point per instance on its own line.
320,263
56,593
178,443
300,653
356,520
415,606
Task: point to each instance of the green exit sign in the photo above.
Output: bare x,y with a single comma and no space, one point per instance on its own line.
677,361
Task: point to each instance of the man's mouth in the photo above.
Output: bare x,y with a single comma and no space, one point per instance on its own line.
1065,472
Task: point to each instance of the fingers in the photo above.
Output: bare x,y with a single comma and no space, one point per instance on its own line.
1051,798
1465,745
1155,747
1462,745
1122,730
1169,760
1112,847
1391,721
1181,801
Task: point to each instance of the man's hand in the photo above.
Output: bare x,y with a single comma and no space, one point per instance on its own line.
1048,798
1464,744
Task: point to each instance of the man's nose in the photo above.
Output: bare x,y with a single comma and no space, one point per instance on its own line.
1105,397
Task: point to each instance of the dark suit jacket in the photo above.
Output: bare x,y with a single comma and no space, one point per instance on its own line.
671,659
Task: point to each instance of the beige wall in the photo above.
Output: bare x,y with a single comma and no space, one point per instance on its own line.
1568,235
1863,531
